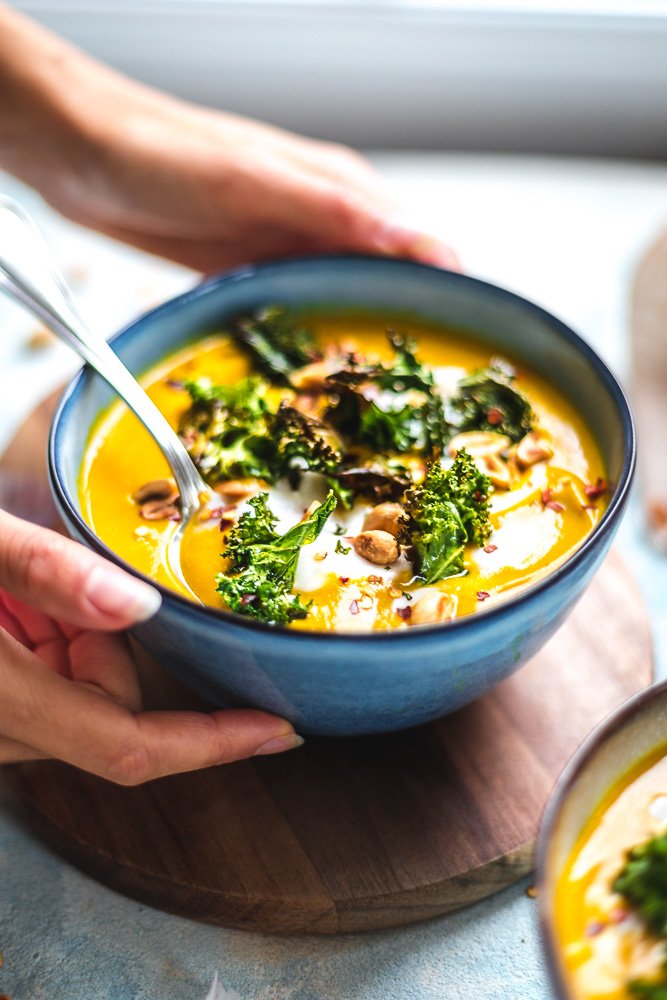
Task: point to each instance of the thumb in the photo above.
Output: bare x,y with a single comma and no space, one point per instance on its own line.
66,580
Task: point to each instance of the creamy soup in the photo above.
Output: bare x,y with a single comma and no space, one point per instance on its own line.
608,948
374,416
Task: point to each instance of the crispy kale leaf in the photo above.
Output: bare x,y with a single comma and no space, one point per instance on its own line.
230,432
262,563
277,343
363,412
225,430
445,512
487,401
643,883
303,443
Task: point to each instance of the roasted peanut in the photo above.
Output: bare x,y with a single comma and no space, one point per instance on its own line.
234,490
532,448
433,606
158,489
313,377
497,471
159,510
385,517
378,547
479,443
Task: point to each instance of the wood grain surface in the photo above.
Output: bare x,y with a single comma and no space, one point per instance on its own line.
648,319
353,834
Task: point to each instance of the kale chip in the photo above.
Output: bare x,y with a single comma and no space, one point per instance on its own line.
445,512
643,883
487,401
262,563
277,343
226,430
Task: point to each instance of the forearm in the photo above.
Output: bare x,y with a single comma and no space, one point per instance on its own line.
57,109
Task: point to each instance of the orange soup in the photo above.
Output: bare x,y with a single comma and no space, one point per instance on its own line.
604,895
452,479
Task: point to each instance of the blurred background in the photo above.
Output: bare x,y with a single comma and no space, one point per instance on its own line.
567,76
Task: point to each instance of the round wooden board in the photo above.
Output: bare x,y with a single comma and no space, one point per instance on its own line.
354,834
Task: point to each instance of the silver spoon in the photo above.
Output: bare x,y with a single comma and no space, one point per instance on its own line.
44,293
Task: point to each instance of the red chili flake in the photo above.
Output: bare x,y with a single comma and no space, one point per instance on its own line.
354,607
477,496
546,496
595,490
175,516
589,506
248,599
494,416
593,928
490,548
618,915
404,613
482,595
343,579
555,505
175,383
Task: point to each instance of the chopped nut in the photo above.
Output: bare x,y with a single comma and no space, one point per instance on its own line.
433,606
40,338
314,376
479,443
378,547
395,592
533,448
385,517
234,490
497,470
159,510
164,490
320,556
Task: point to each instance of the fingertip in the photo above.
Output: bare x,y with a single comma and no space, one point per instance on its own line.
120,596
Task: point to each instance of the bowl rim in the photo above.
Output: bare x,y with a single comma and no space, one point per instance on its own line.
612,723
247,272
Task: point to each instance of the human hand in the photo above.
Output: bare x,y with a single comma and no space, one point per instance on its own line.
204,188
68,681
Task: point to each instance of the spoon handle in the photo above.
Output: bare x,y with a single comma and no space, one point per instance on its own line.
44,292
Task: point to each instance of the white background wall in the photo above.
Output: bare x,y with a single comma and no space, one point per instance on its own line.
586,76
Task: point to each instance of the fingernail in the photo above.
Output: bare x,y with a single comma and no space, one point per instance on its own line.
116,593
279,744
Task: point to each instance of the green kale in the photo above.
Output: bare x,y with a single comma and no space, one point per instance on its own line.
487,401
263,563
362,412
643,883
303,443
405,371
277,343
649,989
226,430
445,512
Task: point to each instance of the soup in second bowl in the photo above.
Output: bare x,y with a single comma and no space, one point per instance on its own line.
377,473
611,898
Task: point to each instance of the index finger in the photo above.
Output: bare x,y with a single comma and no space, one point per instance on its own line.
64,579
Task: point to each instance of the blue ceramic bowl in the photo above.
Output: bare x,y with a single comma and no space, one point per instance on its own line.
351,684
